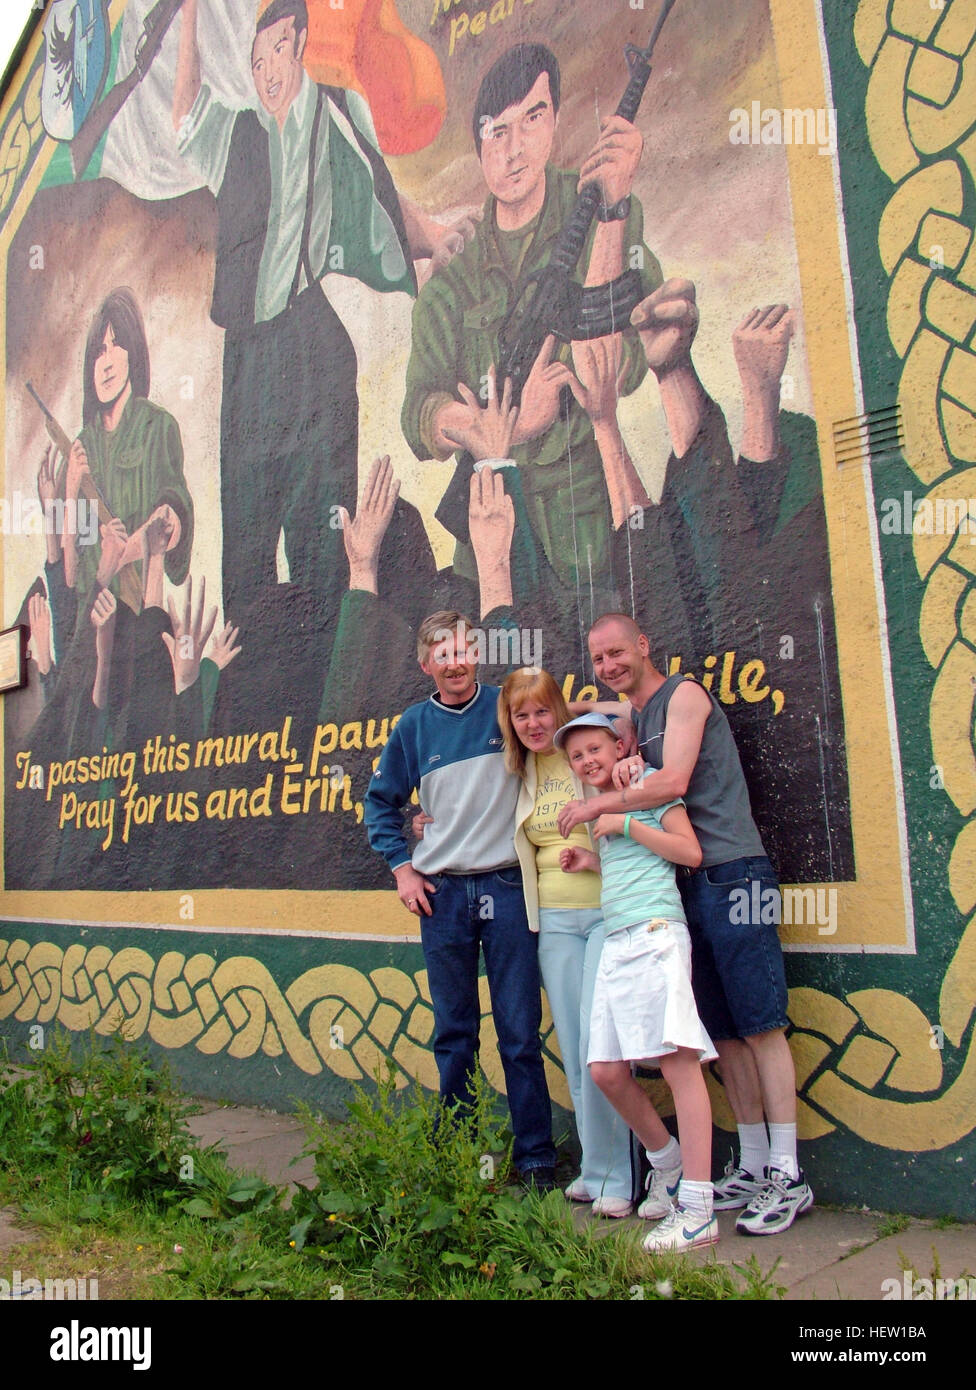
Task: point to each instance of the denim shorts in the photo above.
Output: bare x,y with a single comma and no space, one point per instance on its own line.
737,960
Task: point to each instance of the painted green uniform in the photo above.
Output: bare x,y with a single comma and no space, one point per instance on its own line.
137,467
456,324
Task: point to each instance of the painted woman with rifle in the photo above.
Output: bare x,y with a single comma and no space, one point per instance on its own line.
131,449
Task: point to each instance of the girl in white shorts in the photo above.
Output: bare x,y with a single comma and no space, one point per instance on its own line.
643,1006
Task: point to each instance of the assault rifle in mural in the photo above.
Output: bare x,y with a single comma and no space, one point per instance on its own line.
84,144
551,303
555,303
130,586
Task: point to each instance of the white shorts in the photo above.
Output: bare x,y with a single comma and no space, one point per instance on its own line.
643,1006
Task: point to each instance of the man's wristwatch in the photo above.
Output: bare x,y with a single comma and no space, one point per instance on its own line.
613,212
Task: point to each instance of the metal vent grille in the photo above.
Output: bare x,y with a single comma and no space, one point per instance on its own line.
869,436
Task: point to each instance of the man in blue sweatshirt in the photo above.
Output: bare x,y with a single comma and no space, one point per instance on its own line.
464,883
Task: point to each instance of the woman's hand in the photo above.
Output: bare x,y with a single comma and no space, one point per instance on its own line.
412,890
576,860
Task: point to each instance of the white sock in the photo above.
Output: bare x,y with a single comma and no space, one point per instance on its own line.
667,1158
754,1148
696,1197
782,1149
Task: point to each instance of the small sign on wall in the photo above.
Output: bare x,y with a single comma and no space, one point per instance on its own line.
13,658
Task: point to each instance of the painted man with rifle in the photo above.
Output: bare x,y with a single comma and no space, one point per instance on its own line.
576,483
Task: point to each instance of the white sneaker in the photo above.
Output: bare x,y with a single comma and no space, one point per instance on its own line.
777,1206
576,1191
736,1188
662,1193
615,1207
681,1230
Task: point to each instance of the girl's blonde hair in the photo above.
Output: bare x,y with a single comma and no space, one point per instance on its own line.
529,683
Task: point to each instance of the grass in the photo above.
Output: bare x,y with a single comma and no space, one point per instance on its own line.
410,1203
892,1224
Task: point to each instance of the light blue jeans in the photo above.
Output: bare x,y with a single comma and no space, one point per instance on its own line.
570,942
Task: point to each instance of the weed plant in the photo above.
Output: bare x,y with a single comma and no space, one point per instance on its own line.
410,1201
106,1118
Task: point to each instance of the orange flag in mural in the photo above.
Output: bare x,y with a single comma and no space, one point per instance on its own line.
366,46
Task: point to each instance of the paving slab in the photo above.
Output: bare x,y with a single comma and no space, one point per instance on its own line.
227,1124
817,1240
259,1141
928,1252
271,1158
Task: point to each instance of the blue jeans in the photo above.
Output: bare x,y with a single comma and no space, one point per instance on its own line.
570,943
488,911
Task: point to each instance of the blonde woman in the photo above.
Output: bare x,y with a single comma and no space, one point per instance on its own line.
567,908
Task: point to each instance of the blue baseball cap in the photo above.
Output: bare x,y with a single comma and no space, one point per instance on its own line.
596,720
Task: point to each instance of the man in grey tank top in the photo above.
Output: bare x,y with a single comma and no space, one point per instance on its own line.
737,960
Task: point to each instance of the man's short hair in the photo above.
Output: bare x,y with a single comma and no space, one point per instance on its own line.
509,81
437,626
284,9
623,620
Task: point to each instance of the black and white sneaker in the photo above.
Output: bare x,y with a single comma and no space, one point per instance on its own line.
736,1188
777,1206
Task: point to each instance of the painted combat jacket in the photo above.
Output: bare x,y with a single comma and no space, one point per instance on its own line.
457,320
137,467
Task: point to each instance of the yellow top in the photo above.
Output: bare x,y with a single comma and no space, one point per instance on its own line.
554,788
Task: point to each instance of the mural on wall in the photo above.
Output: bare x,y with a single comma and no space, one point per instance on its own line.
272,186
77,39
267,309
